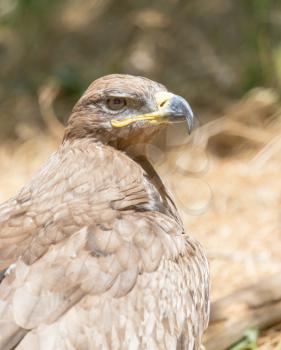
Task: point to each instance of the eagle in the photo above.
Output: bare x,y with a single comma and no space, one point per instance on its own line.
93,253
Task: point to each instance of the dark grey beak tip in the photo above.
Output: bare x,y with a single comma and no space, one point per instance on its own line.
180,109
188,115
189,120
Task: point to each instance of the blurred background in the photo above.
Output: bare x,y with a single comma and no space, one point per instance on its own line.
223,56
210,51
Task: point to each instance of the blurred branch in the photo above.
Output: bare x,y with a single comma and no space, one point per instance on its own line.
251,119
258,305
273,147
228,126
47,95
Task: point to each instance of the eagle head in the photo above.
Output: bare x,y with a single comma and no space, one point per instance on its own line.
121,110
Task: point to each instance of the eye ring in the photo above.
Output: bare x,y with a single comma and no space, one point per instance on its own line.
116,103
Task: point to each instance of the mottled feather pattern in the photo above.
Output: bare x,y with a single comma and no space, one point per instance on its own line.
101,257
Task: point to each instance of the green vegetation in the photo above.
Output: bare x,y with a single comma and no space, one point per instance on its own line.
211,52
249,342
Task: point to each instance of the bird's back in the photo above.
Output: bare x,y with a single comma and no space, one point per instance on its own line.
96,265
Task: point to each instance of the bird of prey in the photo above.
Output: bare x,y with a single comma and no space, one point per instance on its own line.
93,253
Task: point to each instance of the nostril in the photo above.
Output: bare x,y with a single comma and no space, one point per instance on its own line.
162,104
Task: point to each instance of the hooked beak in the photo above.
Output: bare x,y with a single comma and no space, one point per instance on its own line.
171,109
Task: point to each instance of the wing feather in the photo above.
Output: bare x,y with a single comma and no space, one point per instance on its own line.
81,252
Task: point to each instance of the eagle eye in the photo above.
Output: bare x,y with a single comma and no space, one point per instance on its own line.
116,103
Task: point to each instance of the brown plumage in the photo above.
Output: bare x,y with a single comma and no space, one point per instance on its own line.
92,251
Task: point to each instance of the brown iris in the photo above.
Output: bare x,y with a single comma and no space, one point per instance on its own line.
116,103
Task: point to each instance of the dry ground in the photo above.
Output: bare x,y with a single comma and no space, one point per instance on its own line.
227,182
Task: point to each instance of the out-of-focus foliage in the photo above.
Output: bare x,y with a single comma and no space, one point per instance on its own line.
209,51
249,342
